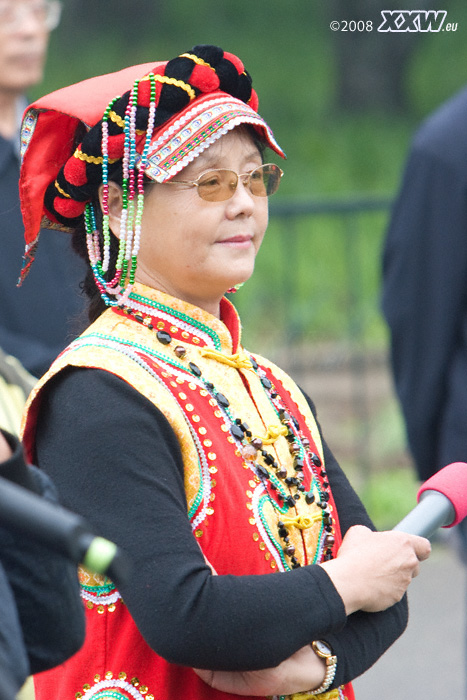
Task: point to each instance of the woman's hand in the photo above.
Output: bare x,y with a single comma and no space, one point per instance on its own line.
373,570
5,449
302,671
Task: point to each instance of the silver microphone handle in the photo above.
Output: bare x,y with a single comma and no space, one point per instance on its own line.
434,510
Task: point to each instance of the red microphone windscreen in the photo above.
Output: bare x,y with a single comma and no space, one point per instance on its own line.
451,481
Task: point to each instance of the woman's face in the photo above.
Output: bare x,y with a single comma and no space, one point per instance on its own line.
194,249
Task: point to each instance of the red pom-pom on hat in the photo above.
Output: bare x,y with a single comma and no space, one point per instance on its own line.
253,102
204,78
236,61
144,92
75,171
159,85
115,146
69,208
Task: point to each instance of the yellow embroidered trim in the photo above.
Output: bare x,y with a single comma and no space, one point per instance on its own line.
239,360
172,81
95,160
330,695
196,59
302,522
274,432
116,118
62,192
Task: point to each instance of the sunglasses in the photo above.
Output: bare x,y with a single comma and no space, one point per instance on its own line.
220,185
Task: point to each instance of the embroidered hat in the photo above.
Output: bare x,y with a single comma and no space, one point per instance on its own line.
73,139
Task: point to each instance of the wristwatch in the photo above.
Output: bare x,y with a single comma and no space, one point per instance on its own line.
324,651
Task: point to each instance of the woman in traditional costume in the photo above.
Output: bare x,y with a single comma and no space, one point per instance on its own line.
202,460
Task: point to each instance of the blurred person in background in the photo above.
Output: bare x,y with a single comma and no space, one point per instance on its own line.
42,621
425,289
425,293
35,322
15,385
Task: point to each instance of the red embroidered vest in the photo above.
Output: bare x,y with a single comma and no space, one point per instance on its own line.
226,407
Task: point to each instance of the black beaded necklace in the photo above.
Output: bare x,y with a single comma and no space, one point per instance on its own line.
274,477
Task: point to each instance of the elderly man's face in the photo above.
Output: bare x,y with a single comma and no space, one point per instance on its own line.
23,44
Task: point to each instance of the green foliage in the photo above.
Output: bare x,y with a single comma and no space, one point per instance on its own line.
389,496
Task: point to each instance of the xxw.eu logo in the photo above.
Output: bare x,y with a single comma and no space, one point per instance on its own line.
413,21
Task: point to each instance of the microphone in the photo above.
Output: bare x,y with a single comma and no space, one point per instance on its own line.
63,531
442,502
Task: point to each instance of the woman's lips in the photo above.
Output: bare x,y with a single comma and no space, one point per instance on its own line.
237,240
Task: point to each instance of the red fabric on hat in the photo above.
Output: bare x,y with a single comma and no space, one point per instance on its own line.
115,147
236,61
69,207
204,78
75,171
253,101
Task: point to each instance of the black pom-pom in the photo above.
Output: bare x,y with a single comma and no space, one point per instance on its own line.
172,100
180,68
210,54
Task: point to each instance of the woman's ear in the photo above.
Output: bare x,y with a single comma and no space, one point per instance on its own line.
115,205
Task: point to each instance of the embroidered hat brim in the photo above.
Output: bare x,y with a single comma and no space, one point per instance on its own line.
192,131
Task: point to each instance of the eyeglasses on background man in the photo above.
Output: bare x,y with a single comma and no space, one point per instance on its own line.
14,12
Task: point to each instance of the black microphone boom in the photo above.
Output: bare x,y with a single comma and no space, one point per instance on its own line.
61,530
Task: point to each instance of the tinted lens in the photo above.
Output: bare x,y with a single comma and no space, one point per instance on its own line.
265,180
217,185
271,177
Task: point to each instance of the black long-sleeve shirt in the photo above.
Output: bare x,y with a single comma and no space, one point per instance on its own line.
115,460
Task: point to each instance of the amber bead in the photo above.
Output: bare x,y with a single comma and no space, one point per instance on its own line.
248,453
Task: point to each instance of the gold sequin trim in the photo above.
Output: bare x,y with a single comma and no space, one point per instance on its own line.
117,119
196,59
62,192
94,160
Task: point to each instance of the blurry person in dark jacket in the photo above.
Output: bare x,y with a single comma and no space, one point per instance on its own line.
35,321
42,622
